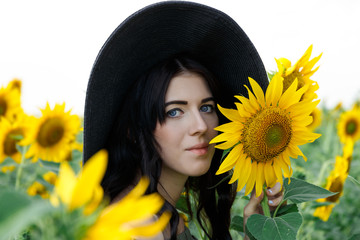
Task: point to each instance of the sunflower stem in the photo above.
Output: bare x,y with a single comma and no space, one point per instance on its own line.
278,207
20,168
265,205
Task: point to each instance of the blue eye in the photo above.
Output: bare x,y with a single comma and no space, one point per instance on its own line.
174,112
207,108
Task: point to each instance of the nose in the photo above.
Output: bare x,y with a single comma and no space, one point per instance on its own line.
198,124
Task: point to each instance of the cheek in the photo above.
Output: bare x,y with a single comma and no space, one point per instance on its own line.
212,123
167,135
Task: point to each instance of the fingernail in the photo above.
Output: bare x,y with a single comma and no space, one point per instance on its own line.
269,190
271,202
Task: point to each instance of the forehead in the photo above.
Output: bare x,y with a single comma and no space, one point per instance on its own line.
187,86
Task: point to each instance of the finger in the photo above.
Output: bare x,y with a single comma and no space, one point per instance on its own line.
274,202
274,190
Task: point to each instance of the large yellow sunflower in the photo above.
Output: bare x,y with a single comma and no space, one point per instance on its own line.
264,132
349,125
10,105
53,134
301,70
11,134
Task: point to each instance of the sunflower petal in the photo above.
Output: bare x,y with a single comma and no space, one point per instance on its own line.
259,179
230,160
258,92
231,114
252,178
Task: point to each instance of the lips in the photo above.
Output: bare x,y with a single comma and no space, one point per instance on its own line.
199,149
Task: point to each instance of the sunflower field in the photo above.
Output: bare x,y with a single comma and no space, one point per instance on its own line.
46,193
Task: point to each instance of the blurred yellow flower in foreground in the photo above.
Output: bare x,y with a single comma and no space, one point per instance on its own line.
83,190
53,134
349,125
302,71
264,132
133,216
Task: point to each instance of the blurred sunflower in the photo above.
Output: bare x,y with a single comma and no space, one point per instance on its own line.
264,132
133,216
316,115
334,183
349,125
38,189
11,134
10,104
50,177
324,212
15,84
53,134
302,71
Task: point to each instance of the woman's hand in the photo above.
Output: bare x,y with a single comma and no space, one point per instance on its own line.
275,196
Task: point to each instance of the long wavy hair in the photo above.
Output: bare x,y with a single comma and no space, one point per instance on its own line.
133,150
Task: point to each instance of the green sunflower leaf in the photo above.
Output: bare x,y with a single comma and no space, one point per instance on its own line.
18,211
299,191
284,227
237,223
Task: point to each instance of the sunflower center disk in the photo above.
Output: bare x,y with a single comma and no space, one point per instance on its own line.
10,142
3,107
267,134
51,132
351,127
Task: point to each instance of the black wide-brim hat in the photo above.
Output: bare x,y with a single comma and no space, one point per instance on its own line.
154,34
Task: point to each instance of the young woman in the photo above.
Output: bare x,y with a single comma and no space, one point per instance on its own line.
151,102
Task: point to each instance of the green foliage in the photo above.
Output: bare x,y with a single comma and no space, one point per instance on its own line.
282,227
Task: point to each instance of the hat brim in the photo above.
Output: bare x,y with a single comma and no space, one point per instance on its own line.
154,34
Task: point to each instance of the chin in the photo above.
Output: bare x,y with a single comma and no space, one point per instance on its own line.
199,171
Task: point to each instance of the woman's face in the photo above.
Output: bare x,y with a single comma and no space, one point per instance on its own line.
190,119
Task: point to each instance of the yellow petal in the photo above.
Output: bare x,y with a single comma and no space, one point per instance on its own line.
226,137
242,111
246,104
230,127
278,171
259,179
89,179
231,159
274,90
231,114
152,229
269,173
251,181
259,93
65,185
252,100
245,171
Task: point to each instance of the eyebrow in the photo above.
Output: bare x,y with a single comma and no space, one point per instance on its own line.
185,102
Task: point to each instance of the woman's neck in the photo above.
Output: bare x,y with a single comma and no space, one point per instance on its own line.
171,185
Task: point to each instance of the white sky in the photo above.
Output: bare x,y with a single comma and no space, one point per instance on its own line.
51,45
